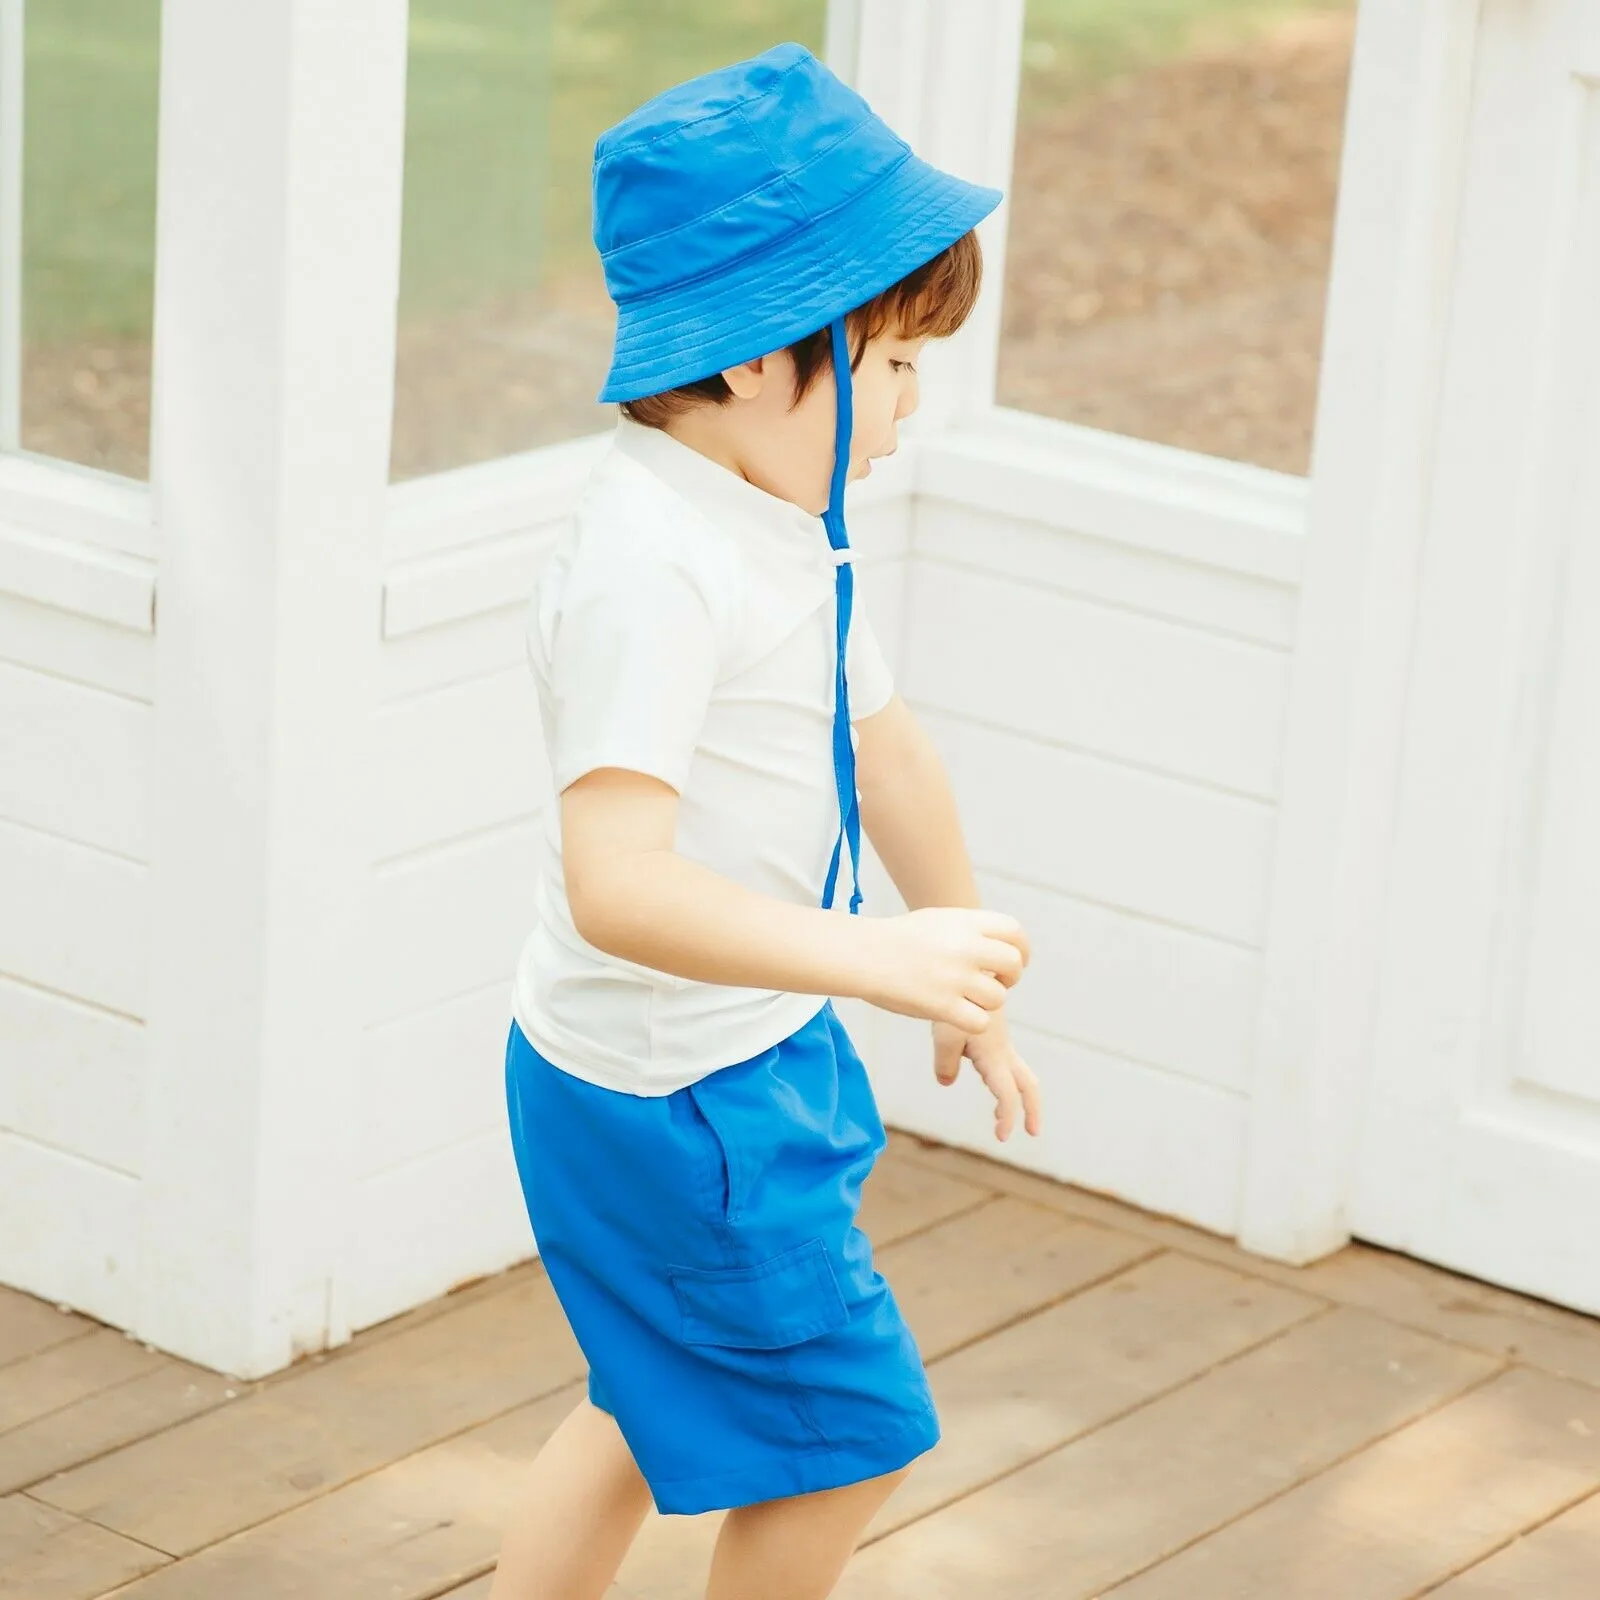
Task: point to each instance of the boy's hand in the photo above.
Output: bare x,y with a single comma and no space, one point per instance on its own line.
1008,1077
947,964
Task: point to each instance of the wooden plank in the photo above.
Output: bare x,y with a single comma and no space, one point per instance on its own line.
1024,1391
47,1555
456,759
1412,1293
1101,569
1162,848
67,1373
28,1325
989,1266
1097,678
1029,1389
76,1078
902,1198
450,920
1556,1559
1112,1124
75,1241
410,1530
102,1422
1411,1509
98,654
327,1422
478,1589
1110,1504
421,1229
669,1560
1094,970
74,919
77,760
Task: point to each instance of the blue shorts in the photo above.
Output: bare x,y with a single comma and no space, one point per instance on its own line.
704,1248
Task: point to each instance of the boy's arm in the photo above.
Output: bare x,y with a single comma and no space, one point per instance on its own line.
908,810
632,896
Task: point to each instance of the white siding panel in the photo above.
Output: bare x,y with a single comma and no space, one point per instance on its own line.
68,1230
1101,569
1107,833
429,1227
73,1076
1165,997
1165,1143
1097,678
882,586
76,760
450,920
434,1079
96,653
474,647
73,919
457,759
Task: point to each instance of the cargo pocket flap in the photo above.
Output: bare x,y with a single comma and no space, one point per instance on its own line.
775,1303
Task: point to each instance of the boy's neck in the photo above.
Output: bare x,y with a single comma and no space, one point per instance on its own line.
697,432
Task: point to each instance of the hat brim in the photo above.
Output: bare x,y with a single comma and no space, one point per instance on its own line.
773,299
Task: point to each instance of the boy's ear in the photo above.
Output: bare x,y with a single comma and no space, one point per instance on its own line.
747,378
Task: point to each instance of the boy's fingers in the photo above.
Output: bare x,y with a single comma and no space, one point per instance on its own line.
1003,959
1007,929
1032,1108
946,1055
966,1016
987,991
1005,1107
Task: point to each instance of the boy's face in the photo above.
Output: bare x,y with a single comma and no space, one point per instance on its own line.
787,449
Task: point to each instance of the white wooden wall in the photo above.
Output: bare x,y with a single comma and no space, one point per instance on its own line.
76,662
1101,649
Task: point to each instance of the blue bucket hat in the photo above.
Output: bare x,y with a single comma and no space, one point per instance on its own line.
748,208
745,210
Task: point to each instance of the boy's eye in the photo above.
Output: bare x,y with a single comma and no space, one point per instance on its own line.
903,366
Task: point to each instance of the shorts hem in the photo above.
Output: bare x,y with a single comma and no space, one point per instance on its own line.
803,1471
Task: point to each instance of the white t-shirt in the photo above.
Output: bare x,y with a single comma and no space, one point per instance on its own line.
685,628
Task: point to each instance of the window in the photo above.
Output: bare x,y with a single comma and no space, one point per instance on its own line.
78,83
505,329
1171,218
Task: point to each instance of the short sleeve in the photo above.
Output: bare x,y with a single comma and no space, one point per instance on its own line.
871,681
632,667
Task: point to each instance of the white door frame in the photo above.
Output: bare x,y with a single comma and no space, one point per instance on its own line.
1377,409
277,264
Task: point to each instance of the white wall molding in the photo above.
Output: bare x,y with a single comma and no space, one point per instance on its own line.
277,273
1382,365
943,74
1196,508
82,578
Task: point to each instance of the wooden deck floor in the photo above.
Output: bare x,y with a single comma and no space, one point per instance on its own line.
1132,1409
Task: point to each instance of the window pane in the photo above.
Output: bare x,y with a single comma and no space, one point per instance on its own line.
88,168
505,328
1171,218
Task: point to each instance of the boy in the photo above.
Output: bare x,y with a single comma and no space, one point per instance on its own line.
690,1120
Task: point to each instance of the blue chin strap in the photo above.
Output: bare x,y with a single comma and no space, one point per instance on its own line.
844,750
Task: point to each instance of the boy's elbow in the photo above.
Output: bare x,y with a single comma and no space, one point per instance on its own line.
590,906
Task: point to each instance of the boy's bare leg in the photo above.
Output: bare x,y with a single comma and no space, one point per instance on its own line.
794,1549
577,1514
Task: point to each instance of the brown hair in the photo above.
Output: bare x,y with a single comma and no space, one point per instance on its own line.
930,302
